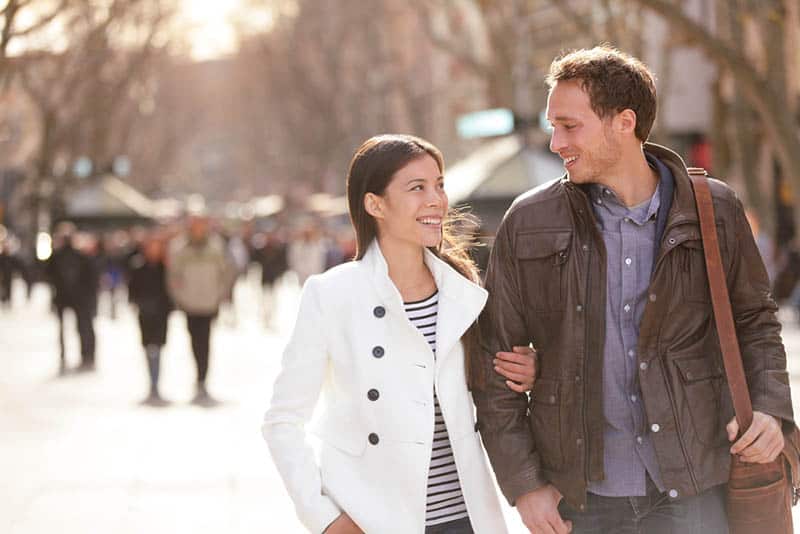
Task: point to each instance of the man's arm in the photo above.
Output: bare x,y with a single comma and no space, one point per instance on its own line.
763,355
503,413
757,326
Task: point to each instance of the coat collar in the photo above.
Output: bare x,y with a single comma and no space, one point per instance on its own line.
683,208
460,300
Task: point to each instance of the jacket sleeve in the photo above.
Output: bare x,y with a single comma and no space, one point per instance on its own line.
174,275
757,327
503,413
294,395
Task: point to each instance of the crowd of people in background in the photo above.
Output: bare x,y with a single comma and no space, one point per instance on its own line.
190,267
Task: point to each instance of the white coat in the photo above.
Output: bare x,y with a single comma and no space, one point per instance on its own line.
352,335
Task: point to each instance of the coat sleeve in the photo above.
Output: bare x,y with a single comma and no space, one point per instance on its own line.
294,396
174,274
757,326
503,413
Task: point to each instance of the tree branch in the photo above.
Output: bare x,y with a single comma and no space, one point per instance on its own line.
779,125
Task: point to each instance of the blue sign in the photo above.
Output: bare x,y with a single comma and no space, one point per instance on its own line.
487,123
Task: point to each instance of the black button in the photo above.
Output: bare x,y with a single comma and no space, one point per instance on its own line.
373,438
378,351
373,394
379,311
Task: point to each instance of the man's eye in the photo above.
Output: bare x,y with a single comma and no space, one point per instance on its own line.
569,127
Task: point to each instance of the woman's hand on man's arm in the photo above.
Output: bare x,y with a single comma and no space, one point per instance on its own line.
519,367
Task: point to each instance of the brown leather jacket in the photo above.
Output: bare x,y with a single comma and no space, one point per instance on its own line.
546,282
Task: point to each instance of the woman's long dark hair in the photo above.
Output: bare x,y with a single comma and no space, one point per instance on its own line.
371,169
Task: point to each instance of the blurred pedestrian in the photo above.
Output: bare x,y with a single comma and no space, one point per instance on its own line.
11,264
239,257
199,278
147,289
384,341
307,252
271,253
74,280
764,242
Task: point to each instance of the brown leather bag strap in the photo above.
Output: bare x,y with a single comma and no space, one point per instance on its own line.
720,300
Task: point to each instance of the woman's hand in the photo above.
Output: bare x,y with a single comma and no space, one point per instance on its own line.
343,525
518,366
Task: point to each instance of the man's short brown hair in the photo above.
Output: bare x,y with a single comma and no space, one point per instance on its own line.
614,81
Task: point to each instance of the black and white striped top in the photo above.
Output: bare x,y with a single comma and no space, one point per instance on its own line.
445,501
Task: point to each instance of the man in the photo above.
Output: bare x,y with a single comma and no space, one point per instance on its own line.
630,419
75,282
199,277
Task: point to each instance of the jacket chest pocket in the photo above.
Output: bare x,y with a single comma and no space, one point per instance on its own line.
542,268
692,266
694,279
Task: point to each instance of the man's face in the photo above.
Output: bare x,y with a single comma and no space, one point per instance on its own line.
585,142
198,228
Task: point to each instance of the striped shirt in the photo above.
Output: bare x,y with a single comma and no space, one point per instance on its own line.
445,501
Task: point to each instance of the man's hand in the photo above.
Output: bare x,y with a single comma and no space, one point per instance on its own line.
762,442
518,366
539,511
343,525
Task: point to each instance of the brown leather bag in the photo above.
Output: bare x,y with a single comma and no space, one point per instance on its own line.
760,496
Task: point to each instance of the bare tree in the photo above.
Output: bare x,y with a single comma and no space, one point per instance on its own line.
83,93
758,75
329,75
44,11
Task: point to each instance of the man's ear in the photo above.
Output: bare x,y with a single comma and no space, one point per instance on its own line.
625,121
373,204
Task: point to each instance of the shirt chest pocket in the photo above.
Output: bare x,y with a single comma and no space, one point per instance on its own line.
542,269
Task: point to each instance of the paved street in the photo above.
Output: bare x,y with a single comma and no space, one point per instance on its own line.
81,455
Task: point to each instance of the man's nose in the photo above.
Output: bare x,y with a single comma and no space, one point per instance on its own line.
556,141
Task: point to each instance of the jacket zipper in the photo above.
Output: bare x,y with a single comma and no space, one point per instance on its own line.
664,371
584,368
585,363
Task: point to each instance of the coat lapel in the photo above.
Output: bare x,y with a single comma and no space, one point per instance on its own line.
460,301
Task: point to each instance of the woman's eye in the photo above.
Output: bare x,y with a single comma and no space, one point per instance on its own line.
417,188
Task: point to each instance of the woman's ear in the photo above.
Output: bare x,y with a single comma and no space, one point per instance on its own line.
373,204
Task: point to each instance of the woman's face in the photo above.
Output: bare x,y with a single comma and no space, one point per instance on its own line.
413,205
154,250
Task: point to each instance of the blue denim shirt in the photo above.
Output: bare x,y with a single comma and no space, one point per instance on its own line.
629,235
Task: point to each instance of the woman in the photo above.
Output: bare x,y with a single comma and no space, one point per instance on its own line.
383,340
147,289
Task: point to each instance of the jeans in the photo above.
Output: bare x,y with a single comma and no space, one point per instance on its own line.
459,526
200,332
84,318
654,513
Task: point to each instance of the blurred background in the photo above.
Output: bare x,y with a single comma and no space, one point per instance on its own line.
121,119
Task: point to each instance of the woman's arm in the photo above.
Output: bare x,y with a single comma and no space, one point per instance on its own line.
294,395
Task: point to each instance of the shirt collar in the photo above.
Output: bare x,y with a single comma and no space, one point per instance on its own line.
605,200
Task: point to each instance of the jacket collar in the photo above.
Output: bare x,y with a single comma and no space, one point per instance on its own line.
460,300
683,208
